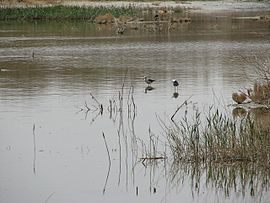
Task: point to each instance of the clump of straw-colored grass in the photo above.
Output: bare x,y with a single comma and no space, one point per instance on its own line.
218,138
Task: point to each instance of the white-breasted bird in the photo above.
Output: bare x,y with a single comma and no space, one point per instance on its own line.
175,83
148,81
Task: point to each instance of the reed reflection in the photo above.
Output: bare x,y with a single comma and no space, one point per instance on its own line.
175,95
223,179
259,116
239,112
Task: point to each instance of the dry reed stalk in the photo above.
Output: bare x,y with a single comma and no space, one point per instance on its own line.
35,149
109,158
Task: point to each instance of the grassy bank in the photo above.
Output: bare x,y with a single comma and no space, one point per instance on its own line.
61,12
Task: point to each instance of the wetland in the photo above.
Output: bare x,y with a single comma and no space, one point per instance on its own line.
79,124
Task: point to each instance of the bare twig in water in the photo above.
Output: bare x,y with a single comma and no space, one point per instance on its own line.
99,104
106,145
109,168
120,147
184,103
35,149
143,159
130,102
86,106
49,197
94,98
121,94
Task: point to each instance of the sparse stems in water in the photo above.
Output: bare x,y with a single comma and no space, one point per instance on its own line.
100,106
86,106
109,158
107,148
151,153
35,149
184,103
48,198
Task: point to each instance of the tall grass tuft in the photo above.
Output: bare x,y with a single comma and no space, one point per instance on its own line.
218,138
61,12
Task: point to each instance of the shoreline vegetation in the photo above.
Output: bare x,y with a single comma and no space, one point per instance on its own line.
155,17
89,10
60,12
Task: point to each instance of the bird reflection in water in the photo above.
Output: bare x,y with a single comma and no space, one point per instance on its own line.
175,84
148,89
239,112
175,95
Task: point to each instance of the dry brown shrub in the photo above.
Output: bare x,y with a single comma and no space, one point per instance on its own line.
260,93
239,97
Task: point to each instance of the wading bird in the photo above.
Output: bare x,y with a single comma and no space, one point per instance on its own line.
148,80
175,84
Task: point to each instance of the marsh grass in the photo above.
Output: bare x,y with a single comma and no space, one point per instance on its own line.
61,12
217,151
217,138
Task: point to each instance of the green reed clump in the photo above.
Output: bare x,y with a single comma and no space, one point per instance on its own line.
218,138
61,12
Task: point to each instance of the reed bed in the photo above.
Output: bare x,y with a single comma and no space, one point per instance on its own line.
61,12
219,152
218,138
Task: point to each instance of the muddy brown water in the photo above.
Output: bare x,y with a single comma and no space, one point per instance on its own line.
52,149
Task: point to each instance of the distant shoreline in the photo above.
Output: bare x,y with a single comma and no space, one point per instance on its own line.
89,10
194,6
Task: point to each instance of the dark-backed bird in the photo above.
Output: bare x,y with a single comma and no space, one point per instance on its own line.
148,80
175,83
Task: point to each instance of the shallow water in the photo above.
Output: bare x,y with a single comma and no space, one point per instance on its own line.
52,149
